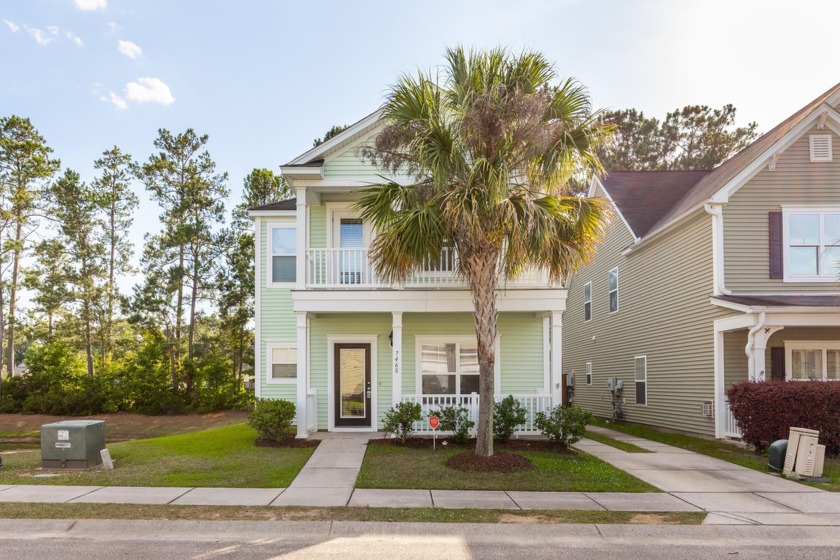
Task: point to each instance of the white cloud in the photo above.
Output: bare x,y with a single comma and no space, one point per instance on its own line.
149,90
75,38
90,5
115,100
13,27
40,37
113,27
53,29
129,49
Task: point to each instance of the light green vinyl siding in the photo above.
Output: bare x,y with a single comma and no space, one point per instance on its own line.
796,180
349,325
317,227
664,314
277,323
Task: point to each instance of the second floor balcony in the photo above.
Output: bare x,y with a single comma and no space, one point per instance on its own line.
333,269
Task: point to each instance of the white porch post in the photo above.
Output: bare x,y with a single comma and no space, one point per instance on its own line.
396,381
759,351
302,236
556,357
720,395
302,368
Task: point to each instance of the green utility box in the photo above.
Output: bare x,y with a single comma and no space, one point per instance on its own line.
776,455
73,444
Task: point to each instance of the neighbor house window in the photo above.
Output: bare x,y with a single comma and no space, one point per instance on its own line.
282,363
589,373
448,368
283,254
812,360
812,244
587,301
640,363
613,280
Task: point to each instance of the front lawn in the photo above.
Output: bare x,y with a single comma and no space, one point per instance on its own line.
388,465
718,449
220,457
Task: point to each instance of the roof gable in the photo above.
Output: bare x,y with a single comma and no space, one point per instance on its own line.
643,197
338,142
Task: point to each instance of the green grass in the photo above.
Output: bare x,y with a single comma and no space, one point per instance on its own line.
618,444
392,466
218,457
124,511
719,449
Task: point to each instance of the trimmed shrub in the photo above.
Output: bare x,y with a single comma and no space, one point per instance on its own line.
766,411
400,420
563,424
455,419
272,418
507,415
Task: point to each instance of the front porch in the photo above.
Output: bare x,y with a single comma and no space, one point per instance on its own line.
782,338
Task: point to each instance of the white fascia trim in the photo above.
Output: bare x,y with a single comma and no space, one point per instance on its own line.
735,323
658,233
272,213
773,309
617,210
291,172
422,301
355,183
730,305
783,143
318,152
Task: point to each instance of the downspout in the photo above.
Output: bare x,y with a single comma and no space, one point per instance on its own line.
716,211
750,348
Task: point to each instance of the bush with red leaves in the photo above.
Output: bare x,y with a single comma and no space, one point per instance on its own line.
766,411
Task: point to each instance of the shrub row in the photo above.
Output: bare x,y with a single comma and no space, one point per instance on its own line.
766,411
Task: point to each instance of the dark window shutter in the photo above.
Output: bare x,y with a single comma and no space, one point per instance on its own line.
777,363
776,266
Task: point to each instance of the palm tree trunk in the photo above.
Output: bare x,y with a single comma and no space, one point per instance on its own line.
481,275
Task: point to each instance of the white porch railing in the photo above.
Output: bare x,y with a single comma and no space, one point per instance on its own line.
312,410
730,426
351,268
532,403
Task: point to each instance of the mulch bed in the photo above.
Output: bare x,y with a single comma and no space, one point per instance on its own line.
288,442
499,462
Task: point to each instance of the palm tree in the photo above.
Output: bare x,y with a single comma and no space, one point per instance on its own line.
489,150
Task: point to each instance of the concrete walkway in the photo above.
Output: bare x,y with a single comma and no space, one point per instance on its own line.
732,495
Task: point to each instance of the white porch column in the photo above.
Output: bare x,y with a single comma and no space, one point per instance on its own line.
759,351
302,236
556,357
302,368
396,381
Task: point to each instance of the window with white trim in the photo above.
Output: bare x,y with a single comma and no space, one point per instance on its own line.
812,360
589,373
283,254
587,301
812,244
282,362
613,283
640,366
448,367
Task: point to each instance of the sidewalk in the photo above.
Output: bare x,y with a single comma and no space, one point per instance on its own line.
732,495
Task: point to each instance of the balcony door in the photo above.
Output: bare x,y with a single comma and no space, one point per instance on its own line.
350,237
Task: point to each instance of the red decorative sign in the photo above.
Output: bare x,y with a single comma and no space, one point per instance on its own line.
434,422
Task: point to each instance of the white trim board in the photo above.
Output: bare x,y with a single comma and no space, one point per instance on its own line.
332,340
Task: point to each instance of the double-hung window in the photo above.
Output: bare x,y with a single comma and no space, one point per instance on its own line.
587,301
589,373
283,247
448,366
613,284
819,359
812,244
640,365
282,362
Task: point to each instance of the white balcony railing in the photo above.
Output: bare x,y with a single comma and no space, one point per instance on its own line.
532,403
351,268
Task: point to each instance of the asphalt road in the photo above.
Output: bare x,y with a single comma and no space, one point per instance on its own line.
207,540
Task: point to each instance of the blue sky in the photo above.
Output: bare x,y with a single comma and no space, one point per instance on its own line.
264,78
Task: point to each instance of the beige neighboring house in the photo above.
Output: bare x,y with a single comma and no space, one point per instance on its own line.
708,278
